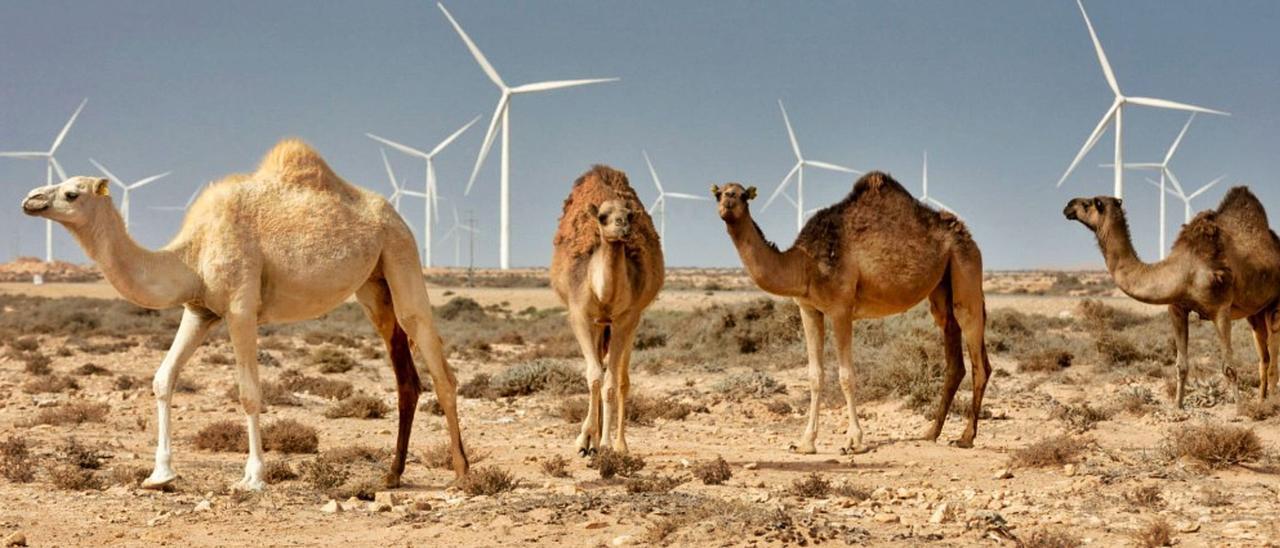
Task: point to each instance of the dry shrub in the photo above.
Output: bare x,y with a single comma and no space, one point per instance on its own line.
1097,315
129,475
24,344
1047,360
437,455
1217,445
612,463
852,491
1051,537
537,376
643,410
344,472
75,453
272,394
556,467
104,348
71,413
1259,410
276,471
1116,349
294,381
358,406
461,308
1144,496
266,359
91,368
812,486
713,472
431,405
126,382
218,358
332,360
754,384
573,409
324,475
224,436
50,384
476,387
73,478
1155,533
1214,497
285,435
488,480
16,462
778,407
1135,400
35,363
1080,418
1052,451
186,385
652,484
330,337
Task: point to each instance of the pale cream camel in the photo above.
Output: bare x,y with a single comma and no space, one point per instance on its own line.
607,267
1225,265
289,242
877,252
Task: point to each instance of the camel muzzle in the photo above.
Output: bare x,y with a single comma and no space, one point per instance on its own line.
1070,213
34,205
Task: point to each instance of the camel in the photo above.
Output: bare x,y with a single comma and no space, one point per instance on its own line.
1225,265
289,242
606,268
877,252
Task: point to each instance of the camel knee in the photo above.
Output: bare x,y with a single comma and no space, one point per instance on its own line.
251,399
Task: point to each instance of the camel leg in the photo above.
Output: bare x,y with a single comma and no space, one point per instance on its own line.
814,335
1259,323
375,297
585,332
1179,318
242,325
619,358
941,308
195,326
1222,321
842,329
970,311
413,313
1272,378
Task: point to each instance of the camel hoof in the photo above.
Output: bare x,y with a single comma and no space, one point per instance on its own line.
391,481
809,450
963,443
854,450
249,485
585,452
165,484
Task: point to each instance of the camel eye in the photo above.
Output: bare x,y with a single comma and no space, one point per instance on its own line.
604,219
71,195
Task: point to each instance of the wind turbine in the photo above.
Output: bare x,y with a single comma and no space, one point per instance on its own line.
1116,113
1165,174
503,112
798,171
1186,198
397,191
660,205
924,197
430,194
53,166
124,201
183,207
456,231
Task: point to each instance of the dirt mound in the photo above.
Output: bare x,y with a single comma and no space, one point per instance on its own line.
23,269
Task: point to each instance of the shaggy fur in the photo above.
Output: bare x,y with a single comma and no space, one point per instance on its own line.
577,230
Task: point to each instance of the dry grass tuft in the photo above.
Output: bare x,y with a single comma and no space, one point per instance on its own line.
224,436
812,486
1217,445
71,413
713,472
1052,537
332,360
294,381
16,463
1259,410
90,369
1047,360
476,387
431,405
73,478
611,463
652,484
1135,400
75,453
25,344
754,384
276,471
488,480
129,475
536,376
1080,418
35,363
285,435
1144,496
1155,533
324,475
50,384
358,406
644,410
1053,451
272,394
556,467
437,455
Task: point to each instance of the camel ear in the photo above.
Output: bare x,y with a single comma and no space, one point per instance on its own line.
593,211
102,187
751,193
1120,201
715,191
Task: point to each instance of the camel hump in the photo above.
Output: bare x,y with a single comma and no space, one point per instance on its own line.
878,183
577,231
295,162
1241,210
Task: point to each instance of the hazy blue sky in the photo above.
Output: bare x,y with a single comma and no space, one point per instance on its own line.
1001,94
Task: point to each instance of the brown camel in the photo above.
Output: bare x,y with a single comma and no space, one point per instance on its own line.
607,267
877,252
1225,265
290,242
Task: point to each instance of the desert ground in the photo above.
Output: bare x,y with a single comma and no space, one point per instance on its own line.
1078,442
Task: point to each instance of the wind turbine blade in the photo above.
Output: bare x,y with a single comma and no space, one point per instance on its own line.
1176,183
1102,55
656,203
795,146
448,233
498,114
782,185
413,193
790,200
194,194
687,196
832,167
63,134
109,175
1174,148
24,155
941,205
1167,190
433,193
402,148
391,175
1092,140
560,84
57,167
1173,105
491,72
455,135
1134,165
149,180
653,173
1206,187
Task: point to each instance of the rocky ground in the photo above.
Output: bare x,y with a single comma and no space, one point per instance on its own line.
1114,476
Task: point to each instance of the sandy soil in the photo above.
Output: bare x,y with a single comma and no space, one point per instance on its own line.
910,479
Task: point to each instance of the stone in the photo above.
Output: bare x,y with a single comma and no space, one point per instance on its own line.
1069,470
376,506
1002,474
203,506
388,497
751,466
16,538
885,517
623,540
331,507
422,505
941,514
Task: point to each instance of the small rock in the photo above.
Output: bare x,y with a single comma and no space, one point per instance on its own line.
422,505
331,507
1189,527
376,506
203,506
388,497
684,463
1069,470
1002,474
16,538
886,518
595,525
941,514
352,503
751,466
622,540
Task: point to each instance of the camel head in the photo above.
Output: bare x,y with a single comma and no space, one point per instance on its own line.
732,199
72,201
1095,212
614,219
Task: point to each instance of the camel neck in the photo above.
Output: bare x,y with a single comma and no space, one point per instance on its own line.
150,279
776,272
1144,282
610,272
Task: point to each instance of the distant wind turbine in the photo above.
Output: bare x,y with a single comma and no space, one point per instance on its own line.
660,204
53,166
184,207
1165,174
1186,198
924,197
455,232
503,113
430,194
1116,113
397,191
124,200
798,171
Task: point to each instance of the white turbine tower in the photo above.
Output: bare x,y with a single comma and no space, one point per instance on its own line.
455,232
502,113
1186,198
1116,113
924,197
430,194
660,205
798,171
124,200
1166,174
49,169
